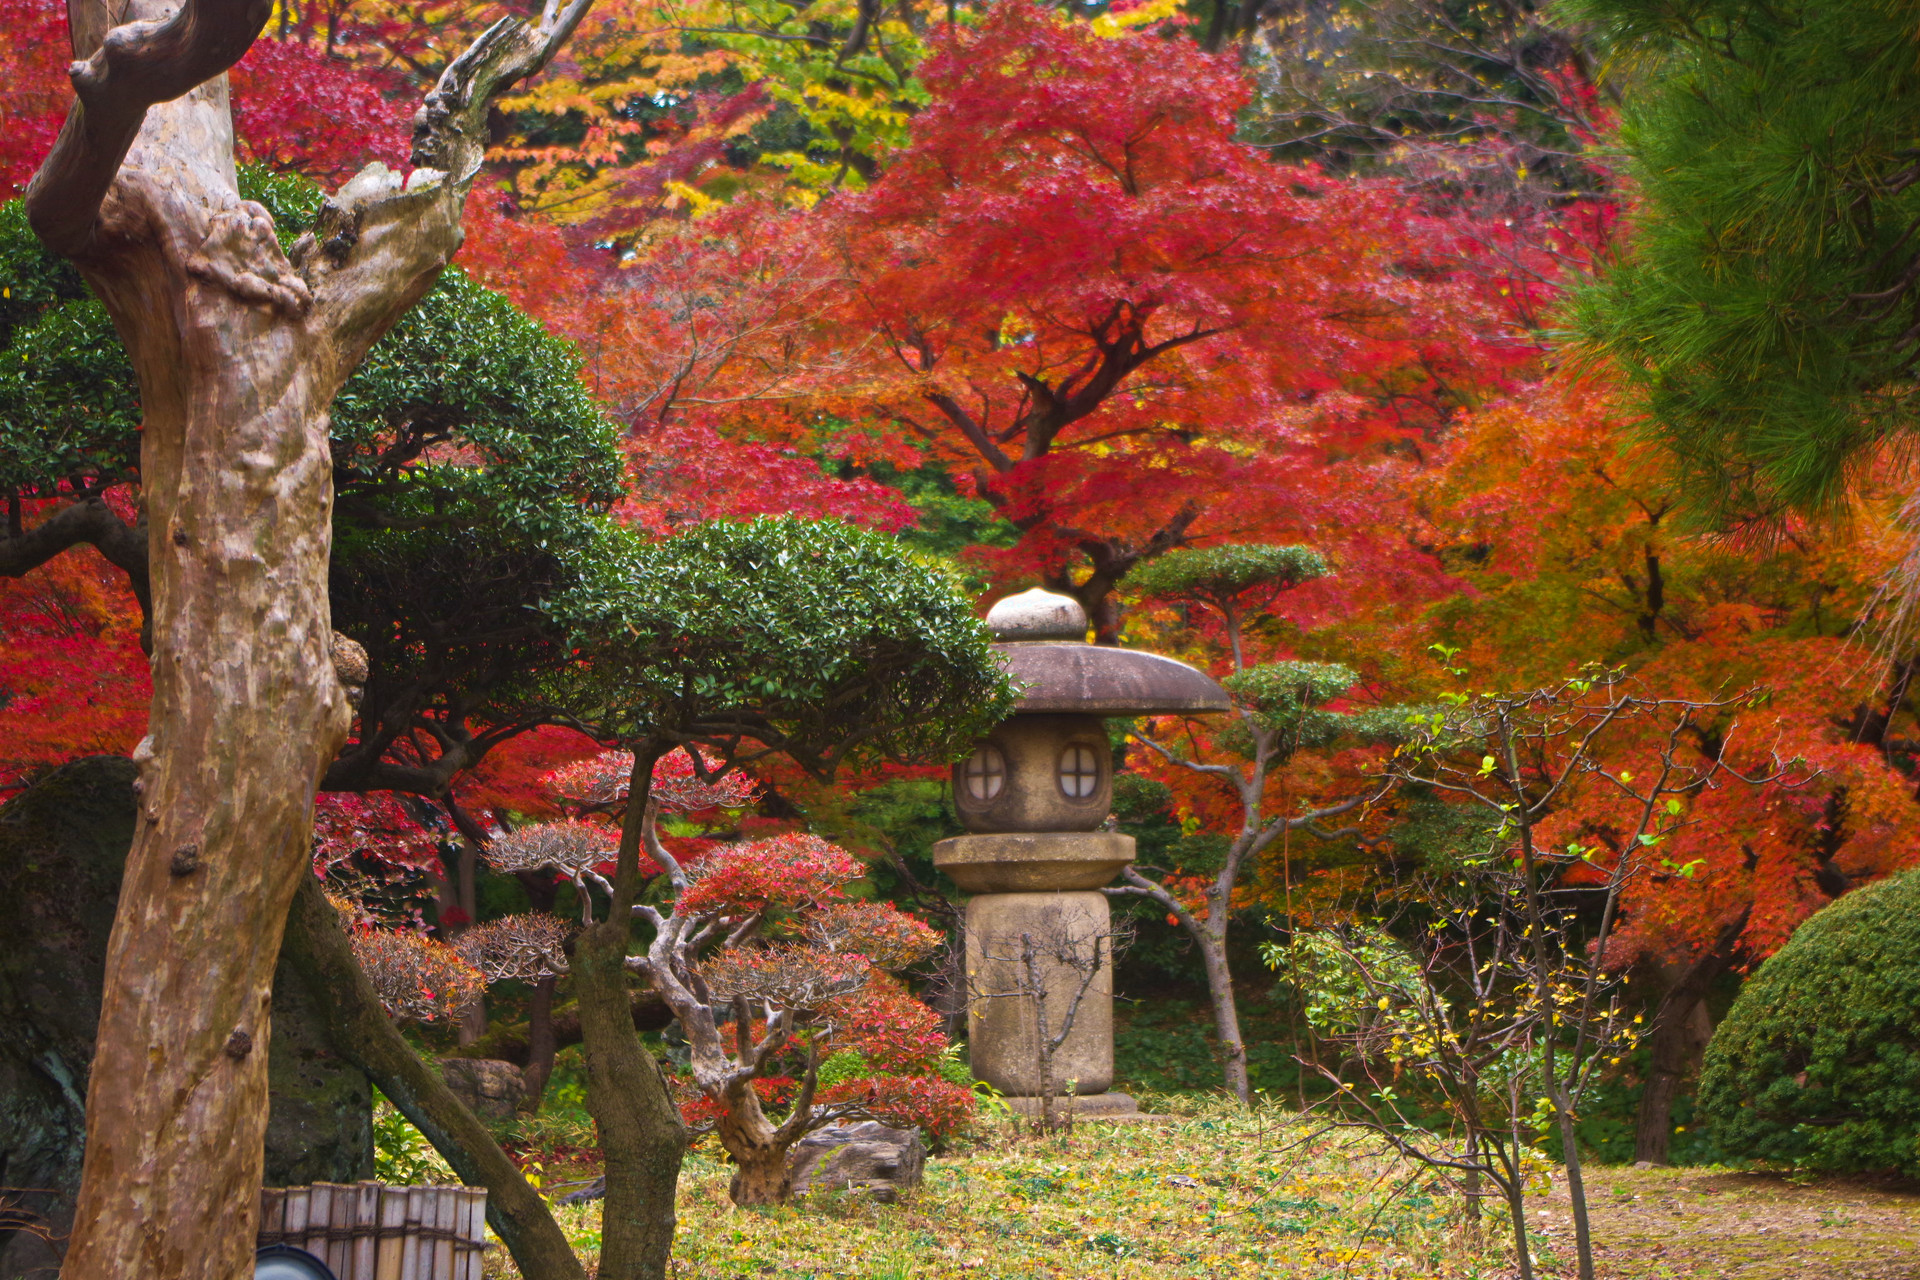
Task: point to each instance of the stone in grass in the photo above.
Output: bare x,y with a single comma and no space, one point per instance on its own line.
491,1089
867,1156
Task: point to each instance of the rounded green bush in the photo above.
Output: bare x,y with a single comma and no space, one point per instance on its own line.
1818,1063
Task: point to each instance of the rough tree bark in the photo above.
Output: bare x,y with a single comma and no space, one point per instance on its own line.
640,1129
239,349
1669,1041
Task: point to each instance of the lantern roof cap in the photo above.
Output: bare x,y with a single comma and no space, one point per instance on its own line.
1042,637
1098,680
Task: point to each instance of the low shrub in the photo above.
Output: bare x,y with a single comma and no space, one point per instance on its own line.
1818,1063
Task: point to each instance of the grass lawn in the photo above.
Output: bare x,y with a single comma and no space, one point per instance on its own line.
1213,1192
1216,1192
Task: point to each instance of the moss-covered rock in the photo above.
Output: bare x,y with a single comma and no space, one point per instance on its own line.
63,844
1818,1063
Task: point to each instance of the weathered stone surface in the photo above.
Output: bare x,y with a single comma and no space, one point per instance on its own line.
1104,681
320,1108
1002,1038
1030,798
490,1087
1018,863
1038,615
866,1157
63,845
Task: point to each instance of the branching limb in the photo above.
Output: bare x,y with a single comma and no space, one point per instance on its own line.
136,66
380,242
90,521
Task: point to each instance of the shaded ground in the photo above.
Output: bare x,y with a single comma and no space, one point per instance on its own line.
1655,1224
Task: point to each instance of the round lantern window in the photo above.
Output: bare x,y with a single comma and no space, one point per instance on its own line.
985,774
1079,773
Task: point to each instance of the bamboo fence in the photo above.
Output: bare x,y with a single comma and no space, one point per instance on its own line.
370,1231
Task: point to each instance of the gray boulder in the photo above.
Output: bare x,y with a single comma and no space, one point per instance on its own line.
867,1156
491,1088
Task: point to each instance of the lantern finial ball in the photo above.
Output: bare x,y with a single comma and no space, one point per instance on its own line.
1038,615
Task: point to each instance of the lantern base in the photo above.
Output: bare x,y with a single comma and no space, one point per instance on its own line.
1082,1107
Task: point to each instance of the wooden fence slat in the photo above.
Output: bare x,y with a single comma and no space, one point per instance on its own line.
466,1261
319,1217
366,1223
273,1212
479,1195
339,1254
346,1200
432,1248
295,1232
443,1203
410,1261
393,1218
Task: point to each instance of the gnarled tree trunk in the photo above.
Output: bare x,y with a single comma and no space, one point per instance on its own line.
759,1151
1670,1042
239,351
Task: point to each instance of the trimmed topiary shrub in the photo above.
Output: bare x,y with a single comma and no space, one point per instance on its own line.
1818,1063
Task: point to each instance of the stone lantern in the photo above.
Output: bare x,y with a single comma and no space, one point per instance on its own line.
1034,796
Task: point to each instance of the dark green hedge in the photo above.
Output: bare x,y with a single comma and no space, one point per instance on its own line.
1818,1063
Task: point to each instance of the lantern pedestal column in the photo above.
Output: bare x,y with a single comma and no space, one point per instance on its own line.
1039,962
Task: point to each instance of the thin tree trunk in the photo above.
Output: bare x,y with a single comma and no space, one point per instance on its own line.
541,1043
1474,1179
1226,1015
1668,1042
318,949
1517,1215
473,1018
1036,979
641,1132
1576,1180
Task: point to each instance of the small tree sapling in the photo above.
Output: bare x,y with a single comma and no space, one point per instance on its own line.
1579,784
1277,709
1050,970
529,948
765,931
812,640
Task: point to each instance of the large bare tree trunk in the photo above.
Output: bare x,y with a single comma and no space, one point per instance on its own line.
239,352
1670,1042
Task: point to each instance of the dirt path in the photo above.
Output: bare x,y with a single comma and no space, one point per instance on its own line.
1678,1224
